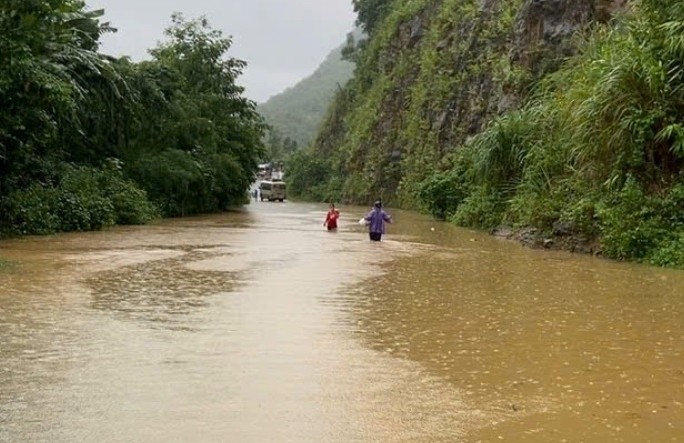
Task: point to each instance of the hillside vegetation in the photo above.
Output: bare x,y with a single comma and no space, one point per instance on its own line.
560,118
296,113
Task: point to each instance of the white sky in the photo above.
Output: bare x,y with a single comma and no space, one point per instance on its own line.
282,41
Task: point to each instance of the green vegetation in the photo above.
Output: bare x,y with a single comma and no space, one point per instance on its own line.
296,114
441,117
599,148
88,141
309,177
371,13
427,78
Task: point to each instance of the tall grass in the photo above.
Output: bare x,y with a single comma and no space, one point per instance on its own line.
600,144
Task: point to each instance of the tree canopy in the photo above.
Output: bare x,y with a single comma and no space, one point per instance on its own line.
96,140
370,13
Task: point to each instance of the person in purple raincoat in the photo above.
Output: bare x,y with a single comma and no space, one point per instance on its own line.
376,220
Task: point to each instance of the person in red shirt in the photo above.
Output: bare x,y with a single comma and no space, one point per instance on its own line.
331,218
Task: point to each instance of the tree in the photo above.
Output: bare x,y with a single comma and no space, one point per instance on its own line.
47,48
371,13
209,122
83,135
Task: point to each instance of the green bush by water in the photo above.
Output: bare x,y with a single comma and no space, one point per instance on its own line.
83,199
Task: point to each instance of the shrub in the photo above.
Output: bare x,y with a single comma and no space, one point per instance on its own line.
130,203
443,192
308,176
32,211
630,223
669,252
538,209
483,208
83,199
172,179
499,153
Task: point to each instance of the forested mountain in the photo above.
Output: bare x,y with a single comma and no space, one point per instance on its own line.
297,112
562,118
87,140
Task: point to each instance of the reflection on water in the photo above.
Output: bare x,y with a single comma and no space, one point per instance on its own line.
261,326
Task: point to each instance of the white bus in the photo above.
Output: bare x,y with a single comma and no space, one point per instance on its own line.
273,190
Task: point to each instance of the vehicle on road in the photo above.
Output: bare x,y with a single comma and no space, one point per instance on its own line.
264,172
273,190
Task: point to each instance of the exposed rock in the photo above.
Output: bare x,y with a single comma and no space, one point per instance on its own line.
442,120
544,24
533,238
503,232
417,30
508,102
442,44
605,10
528,237
564,228
544,27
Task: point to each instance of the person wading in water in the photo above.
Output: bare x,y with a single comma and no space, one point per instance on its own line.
376,220
331,218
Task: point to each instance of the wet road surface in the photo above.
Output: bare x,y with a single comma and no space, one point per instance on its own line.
259,326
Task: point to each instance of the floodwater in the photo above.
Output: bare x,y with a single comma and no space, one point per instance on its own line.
259,326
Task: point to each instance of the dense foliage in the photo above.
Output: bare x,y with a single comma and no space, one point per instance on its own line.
446,114
599,149
88,141
370,13
308,177
428,76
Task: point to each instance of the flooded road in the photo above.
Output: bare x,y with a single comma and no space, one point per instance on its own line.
259,326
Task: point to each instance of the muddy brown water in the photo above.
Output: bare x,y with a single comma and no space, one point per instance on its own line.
259,326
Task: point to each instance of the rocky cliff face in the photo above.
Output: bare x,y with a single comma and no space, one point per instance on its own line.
545,27
434,75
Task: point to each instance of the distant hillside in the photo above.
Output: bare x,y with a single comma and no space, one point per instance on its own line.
298,111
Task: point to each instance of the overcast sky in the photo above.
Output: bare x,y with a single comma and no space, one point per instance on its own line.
282,41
